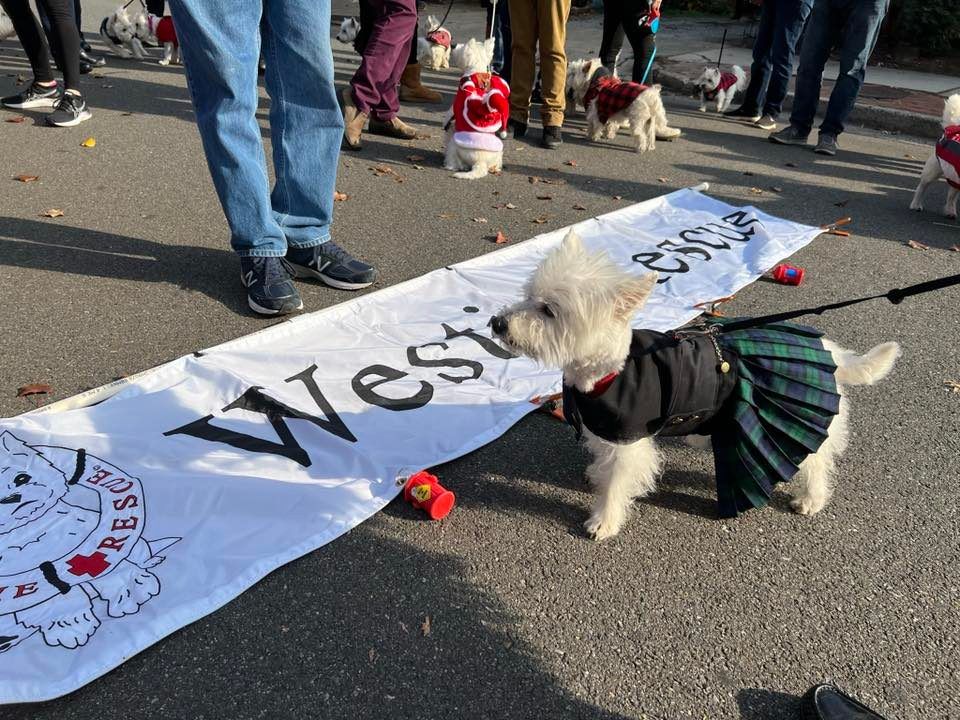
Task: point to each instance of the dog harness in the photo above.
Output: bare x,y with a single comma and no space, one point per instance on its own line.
948,153
107,33
440,37
481,109
611,93
727,80
766,395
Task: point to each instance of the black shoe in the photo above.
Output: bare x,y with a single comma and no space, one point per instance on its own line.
826,144
35,96
790,135
269,284
332,265
519,129
827,702
85,68
71,110
552,137
743,113
88,57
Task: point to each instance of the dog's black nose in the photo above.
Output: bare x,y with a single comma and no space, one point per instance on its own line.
499,324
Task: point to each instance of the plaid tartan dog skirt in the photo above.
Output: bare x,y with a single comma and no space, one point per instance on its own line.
779,411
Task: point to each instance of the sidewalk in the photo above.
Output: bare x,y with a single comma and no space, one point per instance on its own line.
892,100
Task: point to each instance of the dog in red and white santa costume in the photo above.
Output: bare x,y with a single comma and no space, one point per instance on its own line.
478,120
163,30
945,161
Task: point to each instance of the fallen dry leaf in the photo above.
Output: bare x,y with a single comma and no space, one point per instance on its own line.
663,179
776,188
415,158
500,238
34,389
383,170
424,136
52,213
908,156
89,143
571,163
618,197
533,179
917,245
425,626
954,385
27,178
339,196
579,207
553,181
479,219
16,119
756,191
539,220
504,206
544,197
445,216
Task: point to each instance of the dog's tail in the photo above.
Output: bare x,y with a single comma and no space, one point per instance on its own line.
479,170
741,75
951,111
867,369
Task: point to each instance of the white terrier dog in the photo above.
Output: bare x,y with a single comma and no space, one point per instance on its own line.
624,386
722,87
433,49
6,26
124,32
945,161
349,29
611,103
476,124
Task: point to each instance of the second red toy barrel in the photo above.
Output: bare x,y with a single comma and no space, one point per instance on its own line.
425,492
787,274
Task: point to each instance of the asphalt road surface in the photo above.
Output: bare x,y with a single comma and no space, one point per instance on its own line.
682,615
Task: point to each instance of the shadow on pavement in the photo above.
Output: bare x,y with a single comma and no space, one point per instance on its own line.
756,704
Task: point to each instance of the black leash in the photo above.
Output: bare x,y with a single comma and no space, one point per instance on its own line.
443,20
896,296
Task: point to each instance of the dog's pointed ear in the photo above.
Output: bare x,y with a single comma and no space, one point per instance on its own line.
633,294
572,243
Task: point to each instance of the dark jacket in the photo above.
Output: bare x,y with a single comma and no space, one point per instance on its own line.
671,384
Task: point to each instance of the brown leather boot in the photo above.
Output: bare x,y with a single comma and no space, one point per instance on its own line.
353,121
395,128
412,90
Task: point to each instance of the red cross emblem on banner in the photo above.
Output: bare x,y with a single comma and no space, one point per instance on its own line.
91,565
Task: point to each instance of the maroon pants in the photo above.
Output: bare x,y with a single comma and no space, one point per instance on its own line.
385,54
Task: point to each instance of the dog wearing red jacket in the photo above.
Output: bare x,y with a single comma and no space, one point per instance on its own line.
477,122
612,103
945,161
163,30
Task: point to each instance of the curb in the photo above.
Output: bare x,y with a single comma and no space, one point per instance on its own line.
890,120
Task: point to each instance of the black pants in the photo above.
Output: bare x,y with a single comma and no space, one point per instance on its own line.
65,39
622,17
156,7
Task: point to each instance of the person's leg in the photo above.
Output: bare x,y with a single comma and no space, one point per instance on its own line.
552,35
374,85
31,37
524,28
818,40
644,45
65,40
220,46
753,98
858,37
506,35
156,7
612,38
305,120
412,88
791,18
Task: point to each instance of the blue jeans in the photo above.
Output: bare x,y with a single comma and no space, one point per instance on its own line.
779,31
851,25
220,42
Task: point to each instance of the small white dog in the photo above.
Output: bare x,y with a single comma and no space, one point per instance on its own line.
124,32
612,103
477,122
6,26
433,49
720,86
945,161
349,29
771,413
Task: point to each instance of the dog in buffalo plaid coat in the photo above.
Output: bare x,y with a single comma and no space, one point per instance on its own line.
612,103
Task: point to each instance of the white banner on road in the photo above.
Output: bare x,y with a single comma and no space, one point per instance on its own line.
124,521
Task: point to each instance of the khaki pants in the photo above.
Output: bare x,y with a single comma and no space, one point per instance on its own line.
544,21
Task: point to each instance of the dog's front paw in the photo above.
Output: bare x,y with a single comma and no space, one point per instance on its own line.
163,62
807,505
702,108
605,521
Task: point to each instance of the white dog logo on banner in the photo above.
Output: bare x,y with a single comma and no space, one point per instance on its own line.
71,545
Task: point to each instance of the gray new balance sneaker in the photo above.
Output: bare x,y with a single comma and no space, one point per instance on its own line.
826,144
332,265
790,135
